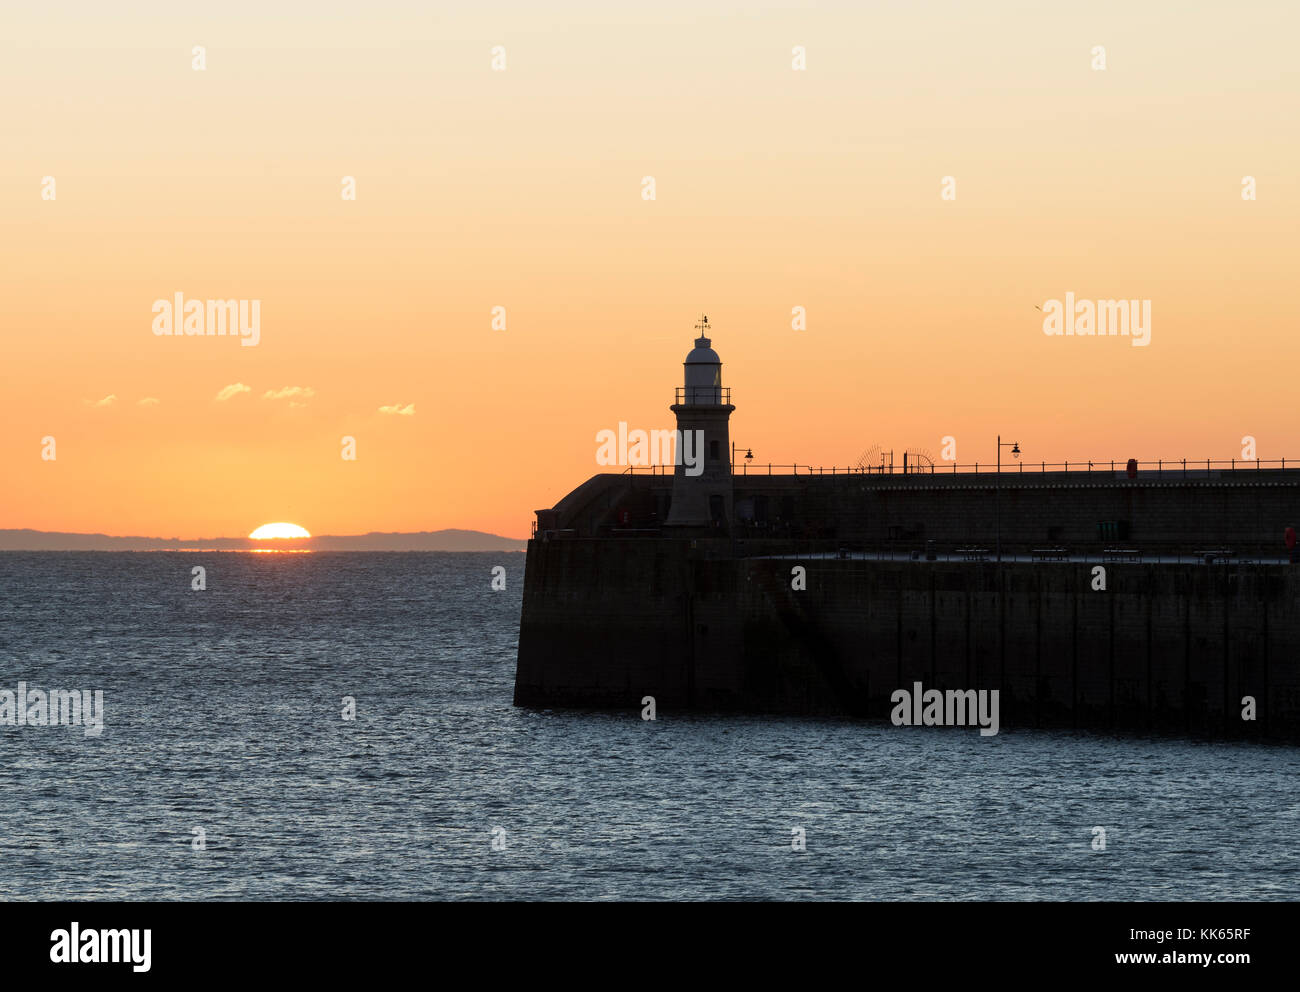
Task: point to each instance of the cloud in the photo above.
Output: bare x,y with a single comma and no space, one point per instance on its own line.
297,395
234,389
397,410
149,401
108,400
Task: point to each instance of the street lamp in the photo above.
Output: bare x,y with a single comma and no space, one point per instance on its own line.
997,507
749,457
1015,450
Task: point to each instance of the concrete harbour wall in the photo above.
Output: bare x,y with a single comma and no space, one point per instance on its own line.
1166,647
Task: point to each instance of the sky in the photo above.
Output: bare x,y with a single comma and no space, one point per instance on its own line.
477,187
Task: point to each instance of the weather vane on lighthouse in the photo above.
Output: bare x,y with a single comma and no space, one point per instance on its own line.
703,325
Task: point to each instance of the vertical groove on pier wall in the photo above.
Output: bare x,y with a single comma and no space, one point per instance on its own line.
1040,690
1110,660
1074,660
1187,661
1150,602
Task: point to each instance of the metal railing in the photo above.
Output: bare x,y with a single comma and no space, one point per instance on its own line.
669,468
703,395
1160,467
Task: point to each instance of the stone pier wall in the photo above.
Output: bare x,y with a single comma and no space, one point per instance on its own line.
1166,647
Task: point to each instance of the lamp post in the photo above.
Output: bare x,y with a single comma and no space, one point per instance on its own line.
749,457
997,488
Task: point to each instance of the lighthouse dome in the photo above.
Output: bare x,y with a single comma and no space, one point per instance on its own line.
703,374
702,354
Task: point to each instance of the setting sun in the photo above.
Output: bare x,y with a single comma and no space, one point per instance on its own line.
278,530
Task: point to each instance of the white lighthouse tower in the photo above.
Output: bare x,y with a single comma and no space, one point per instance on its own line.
702,502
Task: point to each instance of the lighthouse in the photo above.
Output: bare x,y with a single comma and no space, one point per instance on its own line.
701,502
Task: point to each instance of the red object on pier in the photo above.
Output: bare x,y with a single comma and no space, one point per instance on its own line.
1290,538
1132,468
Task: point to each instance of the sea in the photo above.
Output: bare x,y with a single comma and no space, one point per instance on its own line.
339,726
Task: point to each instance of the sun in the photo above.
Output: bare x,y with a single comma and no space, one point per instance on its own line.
278,530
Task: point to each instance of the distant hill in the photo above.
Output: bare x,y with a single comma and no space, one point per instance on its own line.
425,540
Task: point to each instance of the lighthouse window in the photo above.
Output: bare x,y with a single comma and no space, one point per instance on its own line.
713,451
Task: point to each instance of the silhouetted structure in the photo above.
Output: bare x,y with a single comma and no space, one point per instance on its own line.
681,588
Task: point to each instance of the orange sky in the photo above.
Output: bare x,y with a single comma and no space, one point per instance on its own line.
775,188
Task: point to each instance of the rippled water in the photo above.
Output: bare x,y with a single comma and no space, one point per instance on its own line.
223,712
